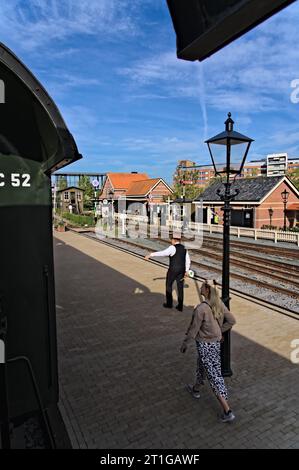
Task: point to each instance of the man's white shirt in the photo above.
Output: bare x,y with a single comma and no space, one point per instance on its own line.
171,251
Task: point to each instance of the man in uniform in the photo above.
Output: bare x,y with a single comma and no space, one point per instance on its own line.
179,265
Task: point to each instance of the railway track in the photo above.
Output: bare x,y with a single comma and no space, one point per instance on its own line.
292,253
281,271
131,247
285,272
213,248
241,277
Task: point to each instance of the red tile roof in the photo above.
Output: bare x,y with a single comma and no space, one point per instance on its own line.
142,188
124,180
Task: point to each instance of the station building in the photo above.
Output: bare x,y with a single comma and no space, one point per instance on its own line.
116,185
136,188
258,204
150,192
70,196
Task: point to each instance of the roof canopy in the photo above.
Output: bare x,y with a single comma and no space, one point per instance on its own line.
204,26
31,125
251,189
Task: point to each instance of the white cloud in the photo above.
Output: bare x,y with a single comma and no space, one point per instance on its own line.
58,84
33,23
251,75
64,53
287,137
158,68
81,121
162,146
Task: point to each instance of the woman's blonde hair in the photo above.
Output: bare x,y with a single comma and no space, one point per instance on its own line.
213,297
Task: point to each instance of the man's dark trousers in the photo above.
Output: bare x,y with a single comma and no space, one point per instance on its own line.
176,272
171,277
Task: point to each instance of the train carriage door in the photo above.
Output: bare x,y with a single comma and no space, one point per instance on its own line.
34,141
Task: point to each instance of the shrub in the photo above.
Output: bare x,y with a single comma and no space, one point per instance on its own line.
80,220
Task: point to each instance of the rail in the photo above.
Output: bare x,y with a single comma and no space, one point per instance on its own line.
258,300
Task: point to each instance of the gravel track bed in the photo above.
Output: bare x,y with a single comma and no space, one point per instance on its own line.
267,295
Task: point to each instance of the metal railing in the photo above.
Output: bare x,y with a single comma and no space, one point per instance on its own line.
255,233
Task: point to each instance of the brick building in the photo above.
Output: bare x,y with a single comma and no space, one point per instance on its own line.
258,204
254,168
71,196
189,172
272,165
137,188
117,184
153,190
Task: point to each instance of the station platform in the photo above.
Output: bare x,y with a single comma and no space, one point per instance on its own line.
122,375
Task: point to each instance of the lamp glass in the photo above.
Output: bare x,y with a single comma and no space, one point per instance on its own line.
235,150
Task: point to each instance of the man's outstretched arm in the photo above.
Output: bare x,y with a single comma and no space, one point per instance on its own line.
170,251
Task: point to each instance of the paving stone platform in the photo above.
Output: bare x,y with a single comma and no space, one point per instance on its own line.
121,373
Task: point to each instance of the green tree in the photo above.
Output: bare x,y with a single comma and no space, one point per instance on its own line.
186,181
253,174
85,183
294,177
61,183
215,179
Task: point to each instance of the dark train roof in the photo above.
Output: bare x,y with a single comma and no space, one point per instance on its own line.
251,189
43,135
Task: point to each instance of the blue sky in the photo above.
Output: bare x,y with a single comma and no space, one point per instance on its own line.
131,105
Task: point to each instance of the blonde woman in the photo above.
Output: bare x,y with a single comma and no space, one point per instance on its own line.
210,320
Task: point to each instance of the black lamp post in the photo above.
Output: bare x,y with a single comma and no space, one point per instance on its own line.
182,183
183,194
285,196
271,215
228,151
